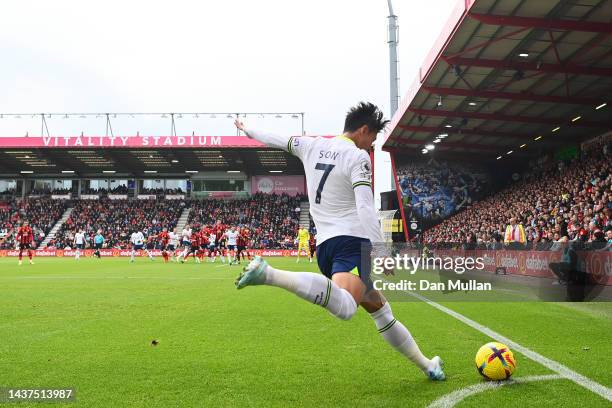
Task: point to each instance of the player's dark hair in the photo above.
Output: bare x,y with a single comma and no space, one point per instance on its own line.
365,113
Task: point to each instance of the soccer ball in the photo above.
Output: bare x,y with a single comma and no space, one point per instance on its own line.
495,361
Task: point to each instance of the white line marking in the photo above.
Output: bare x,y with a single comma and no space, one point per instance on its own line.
552,365
452,399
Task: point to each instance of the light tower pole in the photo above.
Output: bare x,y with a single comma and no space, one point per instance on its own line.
383,164
392,41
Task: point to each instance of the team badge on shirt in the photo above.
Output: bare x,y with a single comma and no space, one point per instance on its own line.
366,171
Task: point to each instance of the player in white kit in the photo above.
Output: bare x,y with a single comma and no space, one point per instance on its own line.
232,237
173,243
137,239
338,174
186,237
79,243
212,244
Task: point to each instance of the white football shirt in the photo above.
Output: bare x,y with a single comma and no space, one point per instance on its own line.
79,238
333,167
173,238
336,169
137,238
186,234
231,237
339,179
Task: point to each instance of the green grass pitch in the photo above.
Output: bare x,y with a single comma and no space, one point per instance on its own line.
90,325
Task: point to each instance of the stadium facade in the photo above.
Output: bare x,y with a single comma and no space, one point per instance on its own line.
512,90
56,181
508,121
507,83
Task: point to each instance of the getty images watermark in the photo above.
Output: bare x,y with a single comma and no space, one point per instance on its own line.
455,272
410,264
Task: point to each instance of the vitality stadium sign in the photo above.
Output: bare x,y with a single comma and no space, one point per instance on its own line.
128,141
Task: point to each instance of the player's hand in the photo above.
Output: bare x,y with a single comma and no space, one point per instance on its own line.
239,125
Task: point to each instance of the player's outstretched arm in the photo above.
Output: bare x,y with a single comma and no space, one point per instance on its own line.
364,199
360,170
270,139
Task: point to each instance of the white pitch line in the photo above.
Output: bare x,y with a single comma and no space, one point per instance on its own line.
452,399
552,365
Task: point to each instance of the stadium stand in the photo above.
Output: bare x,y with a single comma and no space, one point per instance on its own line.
272,218
435,190
8,194
117,219
47,192
104,191
42,213
555,202
161,191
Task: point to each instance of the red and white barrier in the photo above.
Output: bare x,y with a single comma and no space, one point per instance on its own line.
535,263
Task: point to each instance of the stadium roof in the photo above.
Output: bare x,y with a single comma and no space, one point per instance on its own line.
511,76
138,156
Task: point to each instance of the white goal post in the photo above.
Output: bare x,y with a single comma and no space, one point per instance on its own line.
385,218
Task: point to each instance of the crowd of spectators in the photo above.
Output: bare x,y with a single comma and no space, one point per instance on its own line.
8,194
161,191
122,189
49,191
42,214
273,219
436,190
117,219
554,202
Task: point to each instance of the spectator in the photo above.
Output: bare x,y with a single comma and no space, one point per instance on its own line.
434,191
515,235
572,203
42,213
117,219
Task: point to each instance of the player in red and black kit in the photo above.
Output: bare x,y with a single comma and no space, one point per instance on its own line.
164,239
150,246
195,247
219,231
312,244
248,244
25,237
239,246
204,242
243,240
